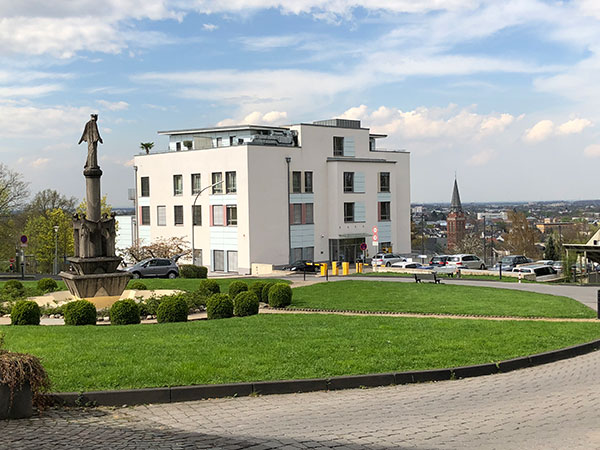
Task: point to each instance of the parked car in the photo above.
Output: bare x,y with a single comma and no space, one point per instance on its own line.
466,261
439,260
408,265
512,261
386,259
301,265
542,272
155,268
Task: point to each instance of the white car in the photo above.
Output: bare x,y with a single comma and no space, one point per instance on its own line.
542,272
407,265
466,261
386,259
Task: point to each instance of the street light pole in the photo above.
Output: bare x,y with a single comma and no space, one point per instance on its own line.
55,249
193,207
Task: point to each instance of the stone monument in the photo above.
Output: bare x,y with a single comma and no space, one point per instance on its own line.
95,263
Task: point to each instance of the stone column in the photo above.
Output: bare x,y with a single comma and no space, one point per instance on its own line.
92,193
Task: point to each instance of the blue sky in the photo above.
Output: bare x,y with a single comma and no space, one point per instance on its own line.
505,94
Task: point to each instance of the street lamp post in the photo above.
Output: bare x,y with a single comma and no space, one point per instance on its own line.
193,207
55,249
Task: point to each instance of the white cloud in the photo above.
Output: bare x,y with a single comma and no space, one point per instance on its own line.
540,131
29,91
481,158
356,113
114,106
40,162
255,118
35,122
494,125
209,26
573,126
274,116
592,151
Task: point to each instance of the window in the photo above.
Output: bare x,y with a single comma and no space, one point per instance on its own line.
384,182
348,212
296,182
231,215
232,261
219,260
217,215
217,177
384,211
178,146
197,214
338,146
308,181
177,184
296,254
178,213
145,186
145,215
308,253
231,140
296,213
161,216
219,142
309,213
230,182
196,183
348,181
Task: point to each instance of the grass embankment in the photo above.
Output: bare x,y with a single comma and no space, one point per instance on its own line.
271,347
435,298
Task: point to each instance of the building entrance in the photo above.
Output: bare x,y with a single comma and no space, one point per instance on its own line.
347,250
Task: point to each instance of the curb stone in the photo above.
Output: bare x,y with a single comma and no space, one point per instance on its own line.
199,392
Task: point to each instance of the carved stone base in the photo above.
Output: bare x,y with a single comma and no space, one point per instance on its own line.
96,285
97,265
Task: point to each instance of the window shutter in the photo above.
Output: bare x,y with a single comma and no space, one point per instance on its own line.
359,211
348,146
359,182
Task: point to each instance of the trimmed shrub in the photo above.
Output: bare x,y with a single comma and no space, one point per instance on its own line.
264,296
25,312
192,271
172,308
256,288
137,285
196,300
245,304
152,304
124,312
13,288
219,306
280,295
210,286
80,312
144,311
47,285
236,287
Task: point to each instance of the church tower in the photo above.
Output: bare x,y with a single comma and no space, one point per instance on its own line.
455,220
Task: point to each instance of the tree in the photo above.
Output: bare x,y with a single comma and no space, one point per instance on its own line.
146,146
520,240
13,191
42,238
159,248
471,243
48,200
553,250
105,208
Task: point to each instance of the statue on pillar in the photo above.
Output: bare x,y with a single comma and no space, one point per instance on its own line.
92,137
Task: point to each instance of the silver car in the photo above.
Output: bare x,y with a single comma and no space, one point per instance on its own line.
155,268
386,259
466,261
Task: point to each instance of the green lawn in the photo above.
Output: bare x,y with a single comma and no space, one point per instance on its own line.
271,347
435,298
442,276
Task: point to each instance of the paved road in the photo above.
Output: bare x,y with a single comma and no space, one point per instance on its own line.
556,406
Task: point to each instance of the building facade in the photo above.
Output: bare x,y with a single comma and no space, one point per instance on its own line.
455,220
255,194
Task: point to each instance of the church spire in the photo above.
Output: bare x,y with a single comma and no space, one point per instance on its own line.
455,204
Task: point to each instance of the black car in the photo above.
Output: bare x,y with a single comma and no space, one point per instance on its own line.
301,265
511,261
439,260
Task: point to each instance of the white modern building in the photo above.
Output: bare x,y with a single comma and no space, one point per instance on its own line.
258,194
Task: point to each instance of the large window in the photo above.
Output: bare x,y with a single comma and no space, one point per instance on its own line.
384,211
196,183
230,182
145,181
384,182
197,214
216,178
161,216
217,215
145,215
348,181
177,184
231,215
232,261
338,146
348,212
296,213
178,213
308,181
309,213
219,260
296,182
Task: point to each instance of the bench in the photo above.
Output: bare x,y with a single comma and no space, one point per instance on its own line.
431,276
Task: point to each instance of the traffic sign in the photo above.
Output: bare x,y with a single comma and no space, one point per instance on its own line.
363,246
375,238
375,230
23,241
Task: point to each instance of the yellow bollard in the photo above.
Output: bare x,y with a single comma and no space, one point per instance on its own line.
323,269
345,268
335,270
360,268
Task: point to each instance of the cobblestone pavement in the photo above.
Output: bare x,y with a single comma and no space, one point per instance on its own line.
555,406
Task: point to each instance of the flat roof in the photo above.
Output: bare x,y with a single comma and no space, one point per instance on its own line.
224,128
